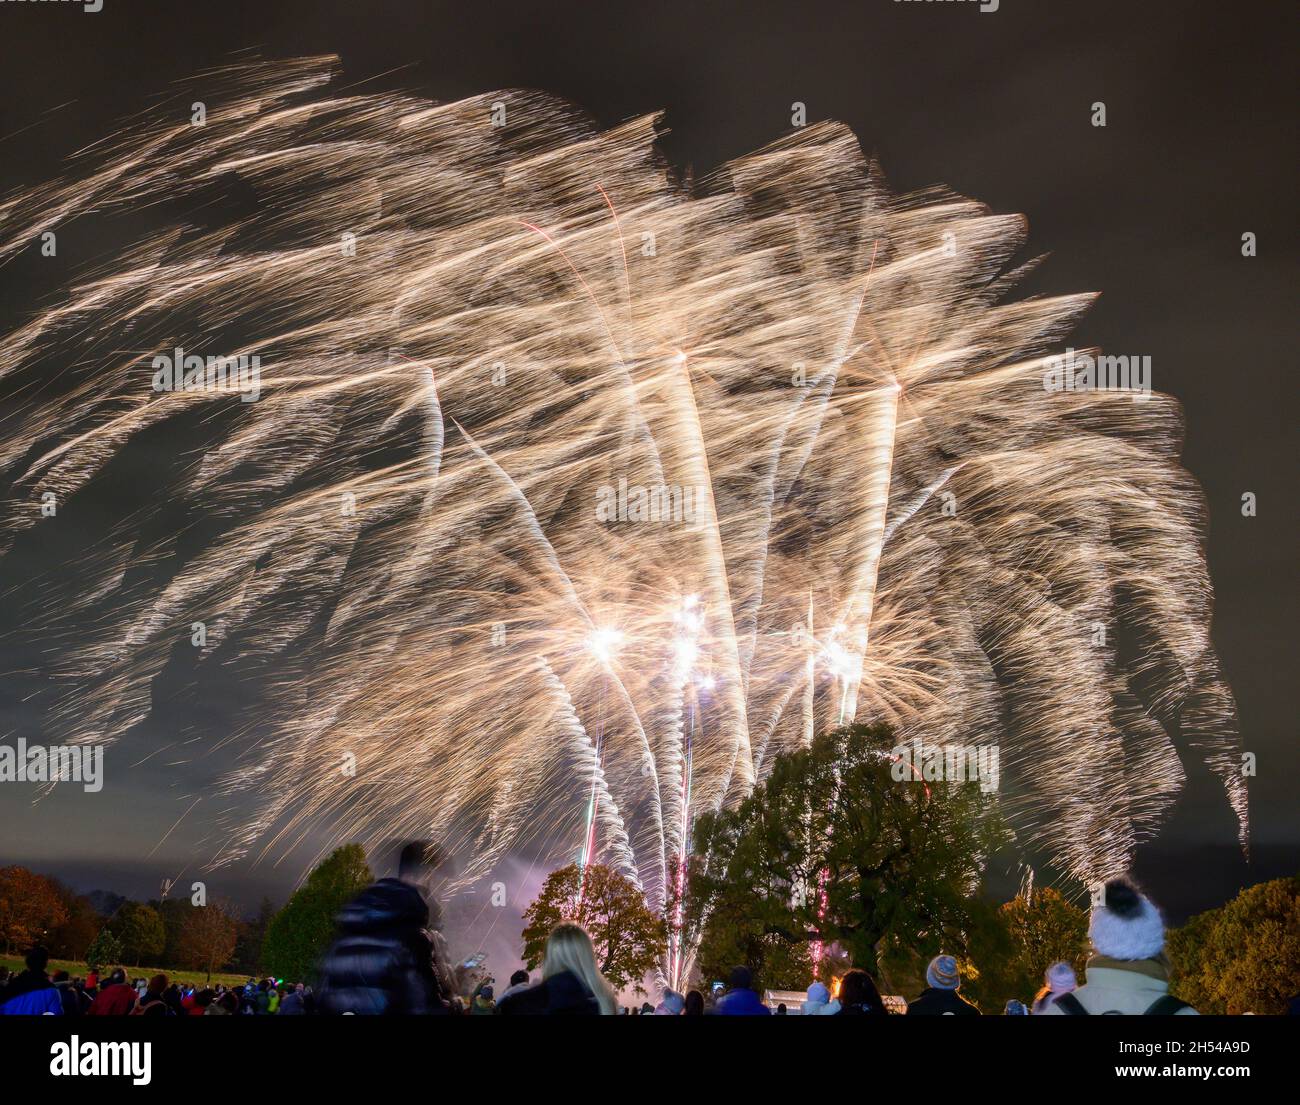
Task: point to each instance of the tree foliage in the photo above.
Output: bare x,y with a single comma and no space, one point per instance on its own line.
301,932
251,935
1011,946
105,951
1244,956
30,907
628,936
833,848
139,927
207,938
72,936
174,913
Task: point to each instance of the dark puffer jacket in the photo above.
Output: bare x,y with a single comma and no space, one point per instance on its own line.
382,961
563,994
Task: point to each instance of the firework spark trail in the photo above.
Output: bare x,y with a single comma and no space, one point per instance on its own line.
406,522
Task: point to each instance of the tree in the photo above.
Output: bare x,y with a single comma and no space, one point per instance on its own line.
1244,956
30,906
302,931
832,848
105,951
140,930
71,938
628,936
207,938
733,936
251,936
1009,948
174,912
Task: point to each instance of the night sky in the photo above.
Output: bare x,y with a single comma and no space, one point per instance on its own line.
1199,148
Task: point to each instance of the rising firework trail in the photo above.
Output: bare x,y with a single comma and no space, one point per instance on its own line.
519,385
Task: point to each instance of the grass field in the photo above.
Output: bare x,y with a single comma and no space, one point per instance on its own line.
76,967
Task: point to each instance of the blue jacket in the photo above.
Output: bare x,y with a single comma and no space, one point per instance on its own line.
30,995
741,1003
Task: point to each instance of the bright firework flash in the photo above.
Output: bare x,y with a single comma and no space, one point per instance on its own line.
517,385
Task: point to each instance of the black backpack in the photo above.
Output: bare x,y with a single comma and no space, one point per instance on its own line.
1165,1006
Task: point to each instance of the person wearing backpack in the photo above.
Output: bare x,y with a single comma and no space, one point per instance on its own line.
153,1002
1128,974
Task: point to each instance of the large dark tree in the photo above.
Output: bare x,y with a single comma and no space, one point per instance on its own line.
833,849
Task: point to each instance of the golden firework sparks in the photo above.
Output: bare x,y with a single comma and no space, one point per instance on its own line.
777,444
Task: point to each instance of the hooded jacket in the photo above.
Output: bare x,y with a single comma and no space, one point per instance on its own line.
819,1008
30,994
382,962
1126,986
819,1002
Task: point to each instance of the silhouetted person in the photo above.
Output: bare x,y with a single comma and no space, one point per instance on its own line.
740,1000
671,1005
117,999
294,1003
518,981
571,984
859,996
819,1002
72,1000
153,1002
30,992
939,998
1058,979
1128,973
383,960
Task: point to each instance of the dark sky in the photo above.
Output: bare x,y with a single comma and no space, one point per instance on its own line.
1200,147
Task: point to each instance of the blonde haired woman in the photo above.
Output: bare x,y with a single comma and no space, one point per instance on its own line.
571,982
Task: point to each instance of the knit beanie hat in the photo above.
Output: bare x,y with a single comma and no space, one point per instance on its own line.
942,974
818,994
1060,978
1125,925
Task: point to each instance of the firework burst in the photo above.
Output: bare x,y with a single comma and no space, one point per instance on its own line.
573,495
